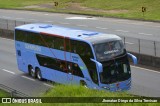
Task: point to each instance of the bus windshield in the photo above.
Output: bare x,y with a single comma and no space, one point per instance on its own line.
115,70
106,51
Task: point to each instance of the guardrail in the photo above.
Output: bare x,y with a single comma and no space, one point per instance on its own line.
12,92
136,45
147,51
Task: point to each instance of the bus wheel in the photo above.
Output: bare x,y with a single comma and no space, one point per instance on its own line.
31,71
83,83
38,74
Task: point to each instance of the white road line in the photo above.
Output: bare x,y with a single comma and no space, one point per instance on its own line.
28,78
46,14
101,28
19,18
8,71
147,22
7,39
49,21
33,20
7,17
122,31
144,34
64,23
129,43
136,23
82,25
146,69
47,84
33,13
156,26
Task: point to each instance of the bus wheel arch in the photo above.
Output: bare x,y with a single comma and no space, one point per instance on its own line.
38,73
83,83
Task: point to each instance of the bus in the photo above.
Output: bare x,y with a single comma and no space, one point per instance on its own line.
73,56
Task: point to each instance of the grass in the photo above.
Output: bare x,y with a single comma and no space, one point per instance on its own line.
79,91
122,8
3,94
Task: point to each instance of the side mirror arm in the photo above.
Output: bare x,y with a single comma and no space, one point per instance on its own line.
134,58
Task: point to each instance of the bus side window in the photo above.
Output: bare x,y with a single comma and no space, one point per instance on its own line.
59,43
76,70
85,52
20,36
73,46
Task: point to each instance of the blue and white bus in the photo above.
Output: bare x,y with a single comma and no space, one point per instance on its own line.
73,56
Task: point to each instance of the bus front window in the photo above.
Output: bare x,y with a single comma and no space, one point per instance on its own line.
108,50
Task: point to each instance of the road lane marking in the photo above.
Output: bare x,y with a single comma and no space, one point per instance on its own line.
6,39
47,84
82,25
19,18
145,69
8,71
28,78
144,34
49,21
101,28
33,20
156,26
129,43
121,31
64,23
81,18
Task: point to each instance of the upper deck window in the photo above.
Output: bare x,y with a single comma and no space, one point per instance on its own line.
108,50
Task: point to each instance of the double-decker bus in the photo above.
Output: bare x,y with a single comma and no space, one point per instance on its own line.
72,56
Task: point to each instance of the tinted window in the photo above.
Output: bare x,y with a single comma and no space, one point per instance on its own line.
34,38
59,65
108,50
20,35
85,52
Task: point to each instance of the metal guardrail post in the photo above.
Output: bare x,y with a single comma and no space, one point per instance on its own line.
155,48
13,93
7,24
124,41
15,23
139,46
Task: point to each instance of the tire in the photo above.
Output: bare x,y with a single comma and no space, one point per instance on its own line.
83,83
38,74
31,71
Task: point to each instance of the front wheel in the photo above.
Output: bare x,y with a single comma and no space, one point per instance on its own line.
38,74
83,83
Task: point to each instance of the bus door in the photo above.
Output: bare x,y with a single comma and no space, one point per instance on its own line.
68,58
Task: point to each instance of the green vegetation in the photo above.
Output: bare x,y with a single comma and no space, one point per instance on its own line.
3,94
122,8
79,91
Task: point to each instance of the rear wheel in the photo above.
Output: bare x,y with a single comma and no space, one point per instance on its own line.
38,74
31,71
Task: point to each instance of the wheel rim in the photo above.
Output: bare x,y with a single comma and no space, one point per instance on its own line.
38,75
32,72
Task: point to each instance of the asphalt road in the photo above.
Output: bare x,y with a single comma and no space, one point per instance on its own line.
145,82
131,29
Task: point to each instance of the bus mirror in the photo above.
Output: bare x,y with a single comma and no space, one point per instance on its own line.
134,58
99,65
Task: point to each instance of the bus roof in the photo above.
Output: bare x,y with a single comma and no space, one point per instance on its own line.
91,36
